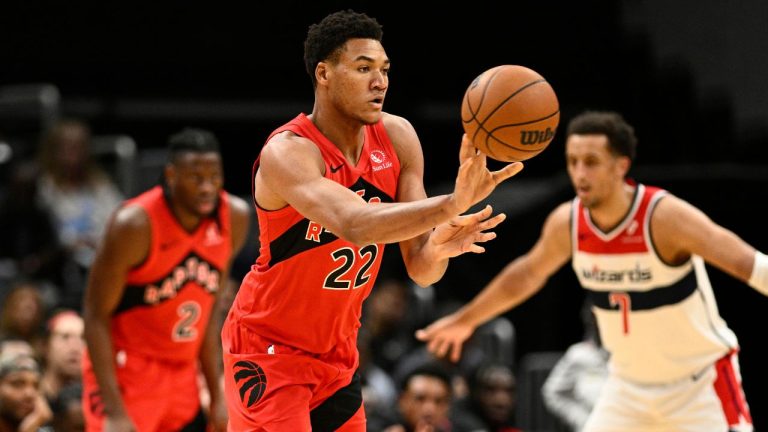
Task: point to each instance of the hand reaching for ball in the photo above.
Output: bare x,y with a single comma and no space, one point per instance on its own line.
475,181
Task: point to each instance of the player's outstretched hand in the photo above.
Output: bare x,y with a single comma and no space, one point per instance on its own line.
445,336
464,234
475,181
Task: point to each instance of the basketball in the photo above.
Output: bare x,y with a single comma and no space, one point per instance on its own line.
510,113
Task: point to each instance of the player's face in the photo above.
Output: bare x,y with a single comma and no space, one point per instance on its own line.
18,391
595,172
358,82
195,180
425,402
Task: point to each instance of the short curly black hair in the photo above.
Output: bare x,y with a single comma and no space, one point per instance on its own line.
325,38
193,140
621,135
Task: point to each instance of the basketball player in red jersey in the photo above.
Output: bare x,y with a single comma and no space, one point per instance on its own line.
639,252
331,188
151,295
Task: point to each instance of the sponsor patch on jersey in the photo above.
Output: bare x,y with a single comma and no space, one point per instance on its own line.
379,161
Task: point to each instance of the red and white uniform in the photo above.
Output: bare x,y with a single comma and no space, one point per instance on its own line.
659,322
301,302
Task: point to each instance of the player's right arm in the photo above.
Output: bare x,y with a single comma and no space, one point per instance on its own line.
518,281
291,171
125,245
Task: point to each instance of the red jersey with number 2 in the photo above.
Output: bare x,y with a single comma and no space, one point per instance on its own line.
168,298
307,287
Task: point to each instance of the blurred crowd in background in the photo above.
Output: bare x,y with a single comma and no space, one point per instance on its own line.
88,97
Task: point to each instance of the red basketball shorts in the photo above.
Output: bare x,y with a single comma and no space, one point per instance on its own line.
274,387
159,396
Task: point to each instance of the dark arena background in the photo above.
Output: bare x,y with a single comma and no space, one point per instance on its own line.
688,75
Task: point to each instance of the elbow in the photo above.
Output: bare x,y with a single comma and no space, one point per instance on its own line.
355,237
357,233
421,279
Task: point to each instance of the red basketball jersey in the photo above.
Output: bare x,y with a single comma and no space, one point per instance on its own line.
307,287
168,298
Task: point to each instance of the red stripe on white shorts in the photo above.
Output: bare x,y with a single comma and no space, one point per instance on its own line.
729,391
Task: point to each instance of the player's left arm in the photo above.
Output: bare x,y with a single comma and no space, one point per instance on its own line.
426,255
679,229
210,353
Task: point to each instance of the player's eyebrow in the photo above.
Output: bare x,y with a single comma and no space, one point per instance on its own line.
369,59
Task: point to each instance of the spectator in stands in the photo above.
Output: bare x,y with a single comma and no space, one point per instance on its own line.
13,346
63,353
79,195
378,388
22,406
68,409
425,401
492,400
29,248
23,314
390,324
574,384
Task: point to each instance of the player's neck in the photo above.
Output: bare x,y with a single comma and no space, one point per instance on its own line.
188,220
344,132
613,209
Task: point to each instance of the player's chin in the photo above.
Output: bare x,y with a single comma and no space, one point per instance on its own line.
205,208
371,116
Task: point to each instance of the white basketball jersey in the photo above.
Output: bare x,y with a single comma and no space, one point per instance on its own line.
659,322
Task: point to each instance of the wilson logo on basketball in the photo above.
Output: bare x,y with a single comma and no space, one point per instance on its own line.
531,137
254,381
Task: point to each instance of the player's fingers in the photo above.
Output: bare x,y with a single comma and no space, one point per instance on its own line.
467,149
456,352
444,350
473,218
435,347
493,222
507,172
476,249
485,237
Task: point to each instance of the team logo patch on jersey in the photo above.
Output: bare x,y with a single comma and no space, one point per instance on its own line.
254,381
212,236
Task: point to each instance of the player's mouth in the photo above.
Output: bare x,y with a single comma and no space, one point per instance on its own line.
206,206
582,190
377,103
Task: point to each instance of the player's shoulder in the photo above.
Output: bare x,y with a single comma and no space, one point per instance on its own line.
558,222
562,213
287,145
130,220
398,128
402,135
670,207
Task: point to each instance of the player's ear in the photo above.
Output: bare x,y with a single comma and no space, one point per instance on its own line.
321,72
624,163
170,175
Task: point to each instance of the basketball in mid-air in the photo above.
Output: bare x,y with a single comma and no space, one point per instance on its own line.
510,113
